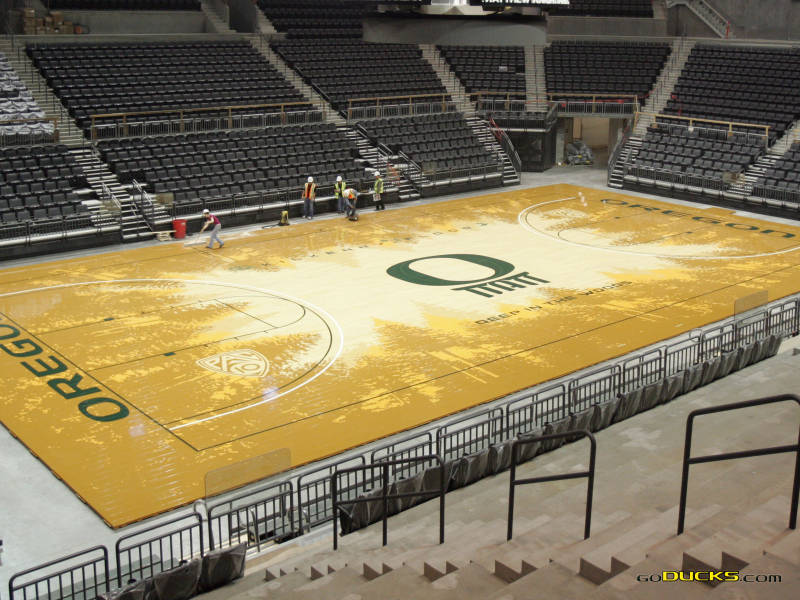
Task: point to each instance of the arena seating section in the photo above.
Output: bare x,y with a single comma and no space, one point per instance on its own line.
605,8
222,163
113,78
782,180
488,68
440,141
709,154
347,69
39,183
749,85
124,4
624,68
316,18
16,103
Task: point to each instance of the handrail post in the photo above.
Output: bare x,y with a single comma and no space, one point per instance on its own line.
511,486
385,494
335,507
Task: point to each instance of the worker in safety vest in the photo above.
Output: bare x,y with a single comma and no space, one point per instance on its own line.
309,194
338,191
350,200
377,192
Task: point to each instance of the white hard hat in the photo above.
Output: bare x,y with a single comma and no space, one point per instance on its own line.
310,180
338,178
377,174
205,211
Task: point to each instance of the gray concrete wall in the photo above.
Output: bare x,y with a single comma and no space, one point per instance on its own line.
242,15
138,21
606,26
455,31
683,22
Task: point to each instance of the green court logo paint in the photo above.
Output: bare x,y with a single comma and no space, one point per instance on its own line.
698,218
57,375
500,282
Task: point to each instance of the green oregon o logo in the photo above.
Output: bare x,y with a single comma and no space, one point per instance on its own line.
404,271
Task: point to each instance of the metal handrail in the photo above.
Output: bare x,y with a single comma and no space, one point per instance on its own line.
589,474
385,496
98,584
409,98
691,121
688,460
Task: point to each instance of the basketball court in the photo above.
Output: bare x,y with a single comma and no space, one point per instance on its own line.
148,378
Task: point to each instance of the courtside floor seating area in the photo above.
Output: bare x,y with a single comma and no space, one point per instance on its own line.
39,183
95,79
488,68
709,153
345,69
748,85
434,142
124,4
224,163
604,8
781,180
17,103
312,18
625,68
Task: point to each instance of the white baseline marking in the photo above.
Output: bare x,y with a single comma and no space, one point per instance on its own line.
221,284
522,219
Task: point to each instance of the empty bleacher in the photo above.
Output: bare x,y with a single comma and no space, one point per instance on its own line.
740,84
42,185
345,69
95,79
604,8
17,104
608,68
124,4
708,157
781,181
316,18
488,68
227,163
439,141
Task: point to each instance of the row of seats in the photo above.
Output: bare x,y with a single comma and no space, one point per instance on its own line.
488,68
440,141
124,4
749,85
604,8
304,19
231,162
346,69
783,176
95,79
622,68
40,184
705,153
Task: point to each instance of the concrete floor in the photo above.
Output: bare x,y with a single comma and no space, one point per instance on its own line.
41,519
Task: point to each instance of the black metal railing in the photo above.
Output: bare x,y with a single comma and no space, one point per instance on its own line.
689,460
82,575
256,517
385,494
145,553
589,474
161,546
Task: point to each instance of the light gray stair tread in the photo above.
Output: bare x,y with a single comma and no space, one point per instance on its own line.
552,581
331,587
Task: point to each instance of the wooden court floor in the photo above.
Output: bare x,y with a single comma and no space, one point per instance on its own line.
143,377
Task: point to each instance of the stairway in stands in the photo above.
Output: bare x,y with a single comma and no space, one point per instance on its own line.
535,81
217,22
449,79
628,153
758,169
486,137
68,132
736,520
134,226
261,43
380,160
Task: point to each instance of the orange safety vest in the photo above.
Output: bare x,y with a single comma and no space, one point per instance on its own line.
310,191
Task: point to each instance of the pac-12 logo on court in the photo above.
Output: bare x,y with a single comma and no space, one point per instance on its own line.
495,284
242,363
